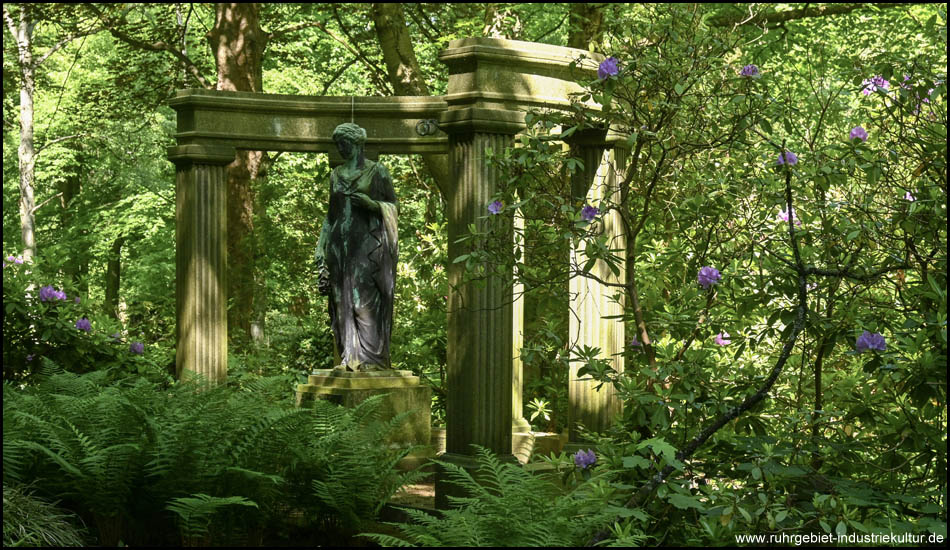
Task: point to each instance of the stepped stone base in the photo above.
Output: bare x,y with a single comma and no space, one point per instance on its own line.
402,394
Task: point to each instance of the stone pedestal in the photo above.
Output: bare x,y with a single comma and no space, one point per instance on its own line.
402,394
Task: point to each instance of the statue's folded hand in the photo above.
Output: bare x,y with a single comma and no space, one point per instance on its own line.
366,202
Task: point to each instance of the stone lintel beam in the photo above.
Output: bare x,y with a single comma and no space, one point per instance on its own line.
272,122
515,75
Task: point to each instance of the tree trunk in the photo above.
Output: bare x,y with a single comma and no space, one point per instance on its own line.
586,25
113,271
26,154
404,72
238,44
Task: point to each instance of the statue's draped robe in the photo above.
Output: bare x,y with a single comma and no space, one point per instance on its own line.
361,254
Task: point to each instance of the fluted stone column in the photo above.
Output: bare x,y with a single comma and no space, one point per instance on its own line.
492,83
519,424
201,260
480,351
596,308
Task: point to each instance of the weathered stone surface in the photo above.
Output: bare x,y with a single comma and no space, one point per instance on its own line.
479,345
201,268
596,307
511,75
273,122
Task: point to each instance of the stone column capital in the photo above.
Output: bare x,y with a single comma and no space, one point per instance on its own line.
194,153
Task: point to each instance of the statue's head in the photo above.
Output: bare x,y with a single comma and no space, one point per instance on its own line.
349,138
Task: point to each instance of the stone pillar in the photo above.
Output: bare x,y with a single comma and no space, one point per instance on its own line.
596,308
492,82
519,424
201,259
480,351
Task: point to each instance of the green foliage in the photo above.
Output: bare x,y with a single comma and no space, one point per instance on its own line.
31,521
508,506
355,485
126,451
195,514
36,330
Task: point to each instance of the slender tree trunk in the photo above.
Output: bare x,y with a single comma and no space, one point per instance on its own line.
404,72
238,44
22,32
113,272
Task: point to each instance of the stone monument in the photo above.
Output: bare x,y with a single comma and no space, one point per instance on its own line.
356,259
357,254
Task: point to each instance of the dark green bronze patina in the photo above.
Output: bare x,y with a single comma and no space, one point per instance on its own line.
357,254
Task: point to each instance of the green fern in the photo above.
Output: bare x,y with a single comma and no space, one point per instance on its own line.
506,506
196,512
121,449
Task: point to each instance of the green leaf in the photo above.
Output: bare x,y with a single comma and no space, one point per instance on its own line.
841,529
684,502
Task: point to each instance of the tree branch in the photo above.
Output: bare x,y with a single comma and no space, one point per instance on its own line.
156,46
800,312
733,19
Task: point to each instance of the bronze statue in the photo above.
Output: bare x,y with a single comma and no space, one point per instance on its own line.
357,254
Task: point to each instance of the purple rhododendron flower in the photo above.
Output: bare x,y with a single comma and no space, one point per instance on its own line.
783,216
18,260
584,460
496,207
48,293
588,213
750,71
859,133
29,357
874,84
870,340
634,343
722,339
788,158
84,324
608,68
708,276
137,348
910,197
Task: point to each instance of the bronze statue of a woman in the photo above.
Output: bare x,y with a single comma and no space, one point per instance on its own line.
357,254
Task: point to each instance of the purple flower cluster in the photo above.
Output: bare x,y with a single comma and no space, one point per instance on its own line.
588,213
584,460
722,339
48,294
788,158
608,67
874,84
18,260
909,197
750,71
870,340
137,348
496,207
858,133
783,216
708,276
84,324
634,343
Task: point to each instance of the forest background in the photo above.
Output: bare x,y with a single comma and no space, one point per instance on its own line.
89,210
